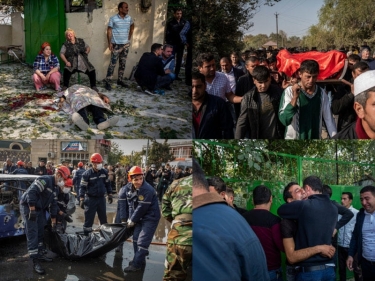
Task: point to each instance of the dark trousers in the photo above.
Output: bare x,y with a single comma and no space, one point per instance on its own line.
34,230
94,205
368,270
97,114
68,74
142,237
342,256
188,65
162,187
178,50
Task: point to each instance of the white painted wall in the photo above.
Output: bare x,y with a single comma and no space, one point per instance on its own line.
149,29
13,34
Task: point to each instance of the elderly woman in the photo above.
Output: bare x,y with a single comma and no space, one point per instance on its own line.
74,54
79,100
46,69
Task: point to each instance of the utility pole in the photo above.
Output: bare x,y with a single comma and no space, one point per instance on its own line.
277,30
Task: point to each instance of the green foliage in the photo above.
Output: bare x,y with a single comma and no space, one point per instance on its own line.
343,22
134,159
115,154
159,153
218,25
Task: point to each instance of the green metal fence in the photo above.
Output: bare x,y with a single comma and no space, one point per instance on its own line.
245,170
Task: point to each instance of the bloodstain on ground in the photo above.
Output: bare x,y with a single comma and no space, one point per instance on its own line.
20,100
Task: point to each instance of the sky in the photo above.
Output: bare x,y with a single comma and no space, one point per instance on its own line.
295,17
127,146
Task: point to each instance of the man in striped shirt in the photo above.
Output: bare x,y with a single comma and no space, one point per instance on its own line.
119,33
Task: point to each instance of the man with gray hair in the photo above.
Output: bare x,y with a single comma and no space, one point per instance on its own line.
364,98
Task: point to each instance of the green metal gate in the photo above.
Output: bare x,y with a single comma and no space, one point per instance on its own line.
44,22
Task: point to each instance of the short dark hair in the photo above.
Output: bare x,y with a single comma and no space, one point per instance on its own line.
361,65
314,182
327,190
251,59
155,47
309,66
261,73
354,57
229,190
286,192
204,57
350,195
226,59
217,183
176,10
199,180
198,76
261,195
120,5
368,188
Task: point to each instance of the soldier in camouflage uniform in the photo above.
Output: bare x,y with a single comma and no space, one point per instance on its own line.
120,175
177,208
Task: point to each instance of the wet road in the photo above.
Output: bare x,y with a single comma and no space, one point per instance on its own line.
15,264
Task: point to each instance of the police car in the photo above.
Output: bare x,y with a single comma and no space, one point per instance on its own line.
11,188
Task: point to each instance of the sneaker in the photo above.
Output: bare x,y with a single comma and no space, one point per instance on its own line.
150,93
95,89
37,267
44,258
79,122
132,268
107,86
159,92
122,83
108,123
143,263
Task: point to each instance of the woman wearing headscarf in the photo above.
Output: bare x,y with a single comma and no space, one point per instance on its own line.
46,69
74,52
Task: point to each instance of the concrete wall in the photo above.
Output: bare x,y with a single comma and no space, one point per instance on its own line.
5,35
149,28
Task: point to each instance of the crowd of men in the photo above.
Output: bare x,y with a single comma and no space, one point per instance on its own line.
316,233
250,98
138,206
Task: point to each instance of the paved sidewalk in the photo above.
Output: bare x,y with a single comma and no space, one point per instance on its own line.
141,115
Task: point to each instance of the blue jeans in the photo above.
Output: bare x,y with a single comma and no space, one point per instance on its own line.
327,274
276,275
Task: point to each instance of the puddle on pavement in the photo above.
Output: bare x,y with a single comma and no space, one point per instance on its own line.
18,101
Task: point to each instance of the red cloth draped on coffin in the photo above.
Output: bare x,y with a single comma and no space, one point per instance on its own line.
331,64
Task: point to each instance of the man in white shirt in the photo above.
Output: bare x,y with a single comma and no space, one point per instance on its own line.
343,239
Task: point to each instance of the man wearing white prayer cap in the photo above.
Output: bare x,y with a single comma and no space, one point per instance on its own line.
364,106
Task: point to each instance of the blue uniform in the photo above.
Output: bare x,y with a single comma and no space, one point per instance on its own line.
94,185
20,171
141,207
42,194
77,179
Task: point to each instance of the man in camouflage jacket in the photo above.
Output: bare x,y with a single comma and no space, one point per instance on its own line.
177,208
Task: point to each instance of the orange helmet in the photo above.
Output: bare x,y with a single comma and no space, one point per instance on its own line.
20,163
64,171
135,170
96,158
68,182
80,164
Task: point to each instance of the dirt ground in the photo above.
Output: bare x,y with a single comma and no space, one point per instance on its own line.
141,115
16,265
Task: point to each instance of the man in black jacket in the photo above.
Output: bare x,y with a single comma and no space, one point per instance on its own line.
317,218
41,169
259,109
174,27
211,116
149,67
246,83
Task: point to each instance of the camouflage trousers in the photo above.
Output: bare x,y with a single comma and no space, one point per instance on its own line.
177,261
120,52
119,184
